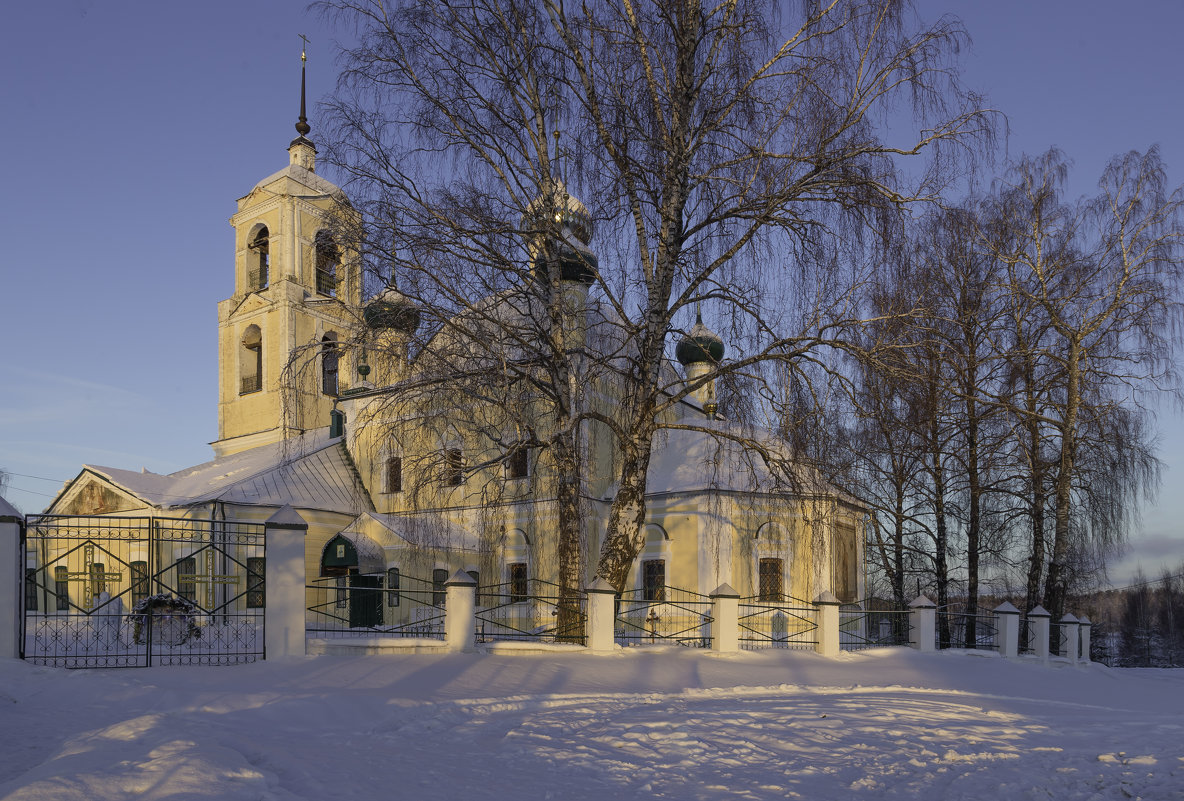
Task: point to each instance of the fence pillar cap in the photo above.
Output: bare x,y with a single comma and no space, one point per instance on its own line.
1039,611
1006,608
460,579
1085,621
921,602
724,590
286,517
8,514
599,585
1068,618
827,598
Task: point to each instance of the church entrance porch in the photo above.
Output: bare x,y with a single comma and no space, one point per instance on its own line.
141,591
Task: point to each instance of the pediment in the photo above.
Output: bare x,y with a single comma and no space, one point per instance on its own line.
93,496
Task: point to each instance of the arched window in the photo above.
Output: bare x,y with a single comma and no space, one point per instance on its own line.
251,361
329,359
772,557
328,259
259,260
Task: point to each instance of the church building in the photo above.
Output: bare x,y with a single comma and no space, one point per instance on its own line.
306,420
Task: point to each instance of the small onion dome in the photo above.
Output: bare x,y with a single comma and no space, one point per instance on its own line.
701,344
569,214
391,310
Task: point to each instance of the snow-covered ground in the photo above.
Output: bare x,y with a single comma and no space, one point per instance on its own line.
665,723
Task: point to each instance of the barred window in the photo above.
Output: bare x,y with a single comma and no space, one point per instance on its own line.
439,576
392,586
772,580
139,581
30,589
654,579
394,474
256,571
186,572
454,467
61,587
518,582
97,584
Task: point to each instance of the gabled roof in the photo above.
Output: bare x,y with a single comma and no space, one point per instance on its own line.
310,471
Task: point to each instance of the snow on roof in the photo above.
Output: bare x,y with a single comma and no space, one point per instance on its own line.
303,176
695,461
309,471
419,529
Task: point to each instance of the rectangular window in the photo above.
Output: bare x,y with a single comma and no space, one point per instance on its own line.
654,578
186,573
392,586
256,570
30,589
139,581
97,584
61,587
394,474
454,467
518,462
518,582
439,576
772,581
342,592
846,578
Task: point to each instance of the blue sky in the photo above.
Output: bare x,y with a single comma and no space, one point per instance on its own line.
132,126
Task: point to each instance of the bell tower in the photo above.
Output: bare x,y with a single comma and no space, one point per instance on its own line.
297,289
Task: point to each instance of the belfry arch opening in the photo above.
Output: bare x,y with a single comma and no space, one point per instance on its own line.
259,260
251,361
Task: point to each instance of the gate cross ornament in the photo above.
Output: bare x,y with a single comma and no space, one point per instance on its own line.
89,577
209,578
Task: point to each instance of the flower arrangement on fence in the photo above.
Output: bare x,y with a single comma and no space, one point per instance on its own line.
174,618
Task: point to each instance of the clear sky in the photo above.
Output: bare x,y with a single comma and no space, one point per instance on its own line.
130,127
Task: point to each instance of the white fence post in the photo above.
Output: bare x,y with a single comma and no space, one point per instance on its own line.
1007,630
1038,619
601,615
725,623
11,580
1070,637
460,612
923,622
1086,624
828,624
283,584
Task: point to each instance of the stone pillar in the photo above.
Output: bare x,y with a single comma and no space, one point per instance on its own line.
923,622
601,615
1007,630
725,623
283,584
1038,632
1086,624
1070,637
12,573
827,615
460,612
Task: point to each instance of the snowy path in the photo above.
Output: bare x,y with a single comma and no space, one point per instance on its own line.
678,724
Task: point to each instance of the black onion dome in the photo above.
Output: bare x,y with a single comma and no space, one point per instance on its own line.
701,344
571,218
391,310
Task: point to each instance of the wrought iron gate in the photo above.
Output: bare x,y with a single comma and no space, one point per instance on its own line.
141,591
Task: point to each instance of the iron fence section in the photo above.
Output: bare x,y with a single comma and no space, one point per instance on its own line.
773,624
529,614
957,629
677,616
103,591
361,606
861,628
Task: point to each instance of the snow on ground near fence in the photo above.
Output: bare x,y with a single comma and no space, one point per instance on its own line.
665,723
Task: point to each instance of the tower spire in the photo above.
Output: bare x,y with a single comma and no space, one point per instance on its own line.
302,151
302,126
